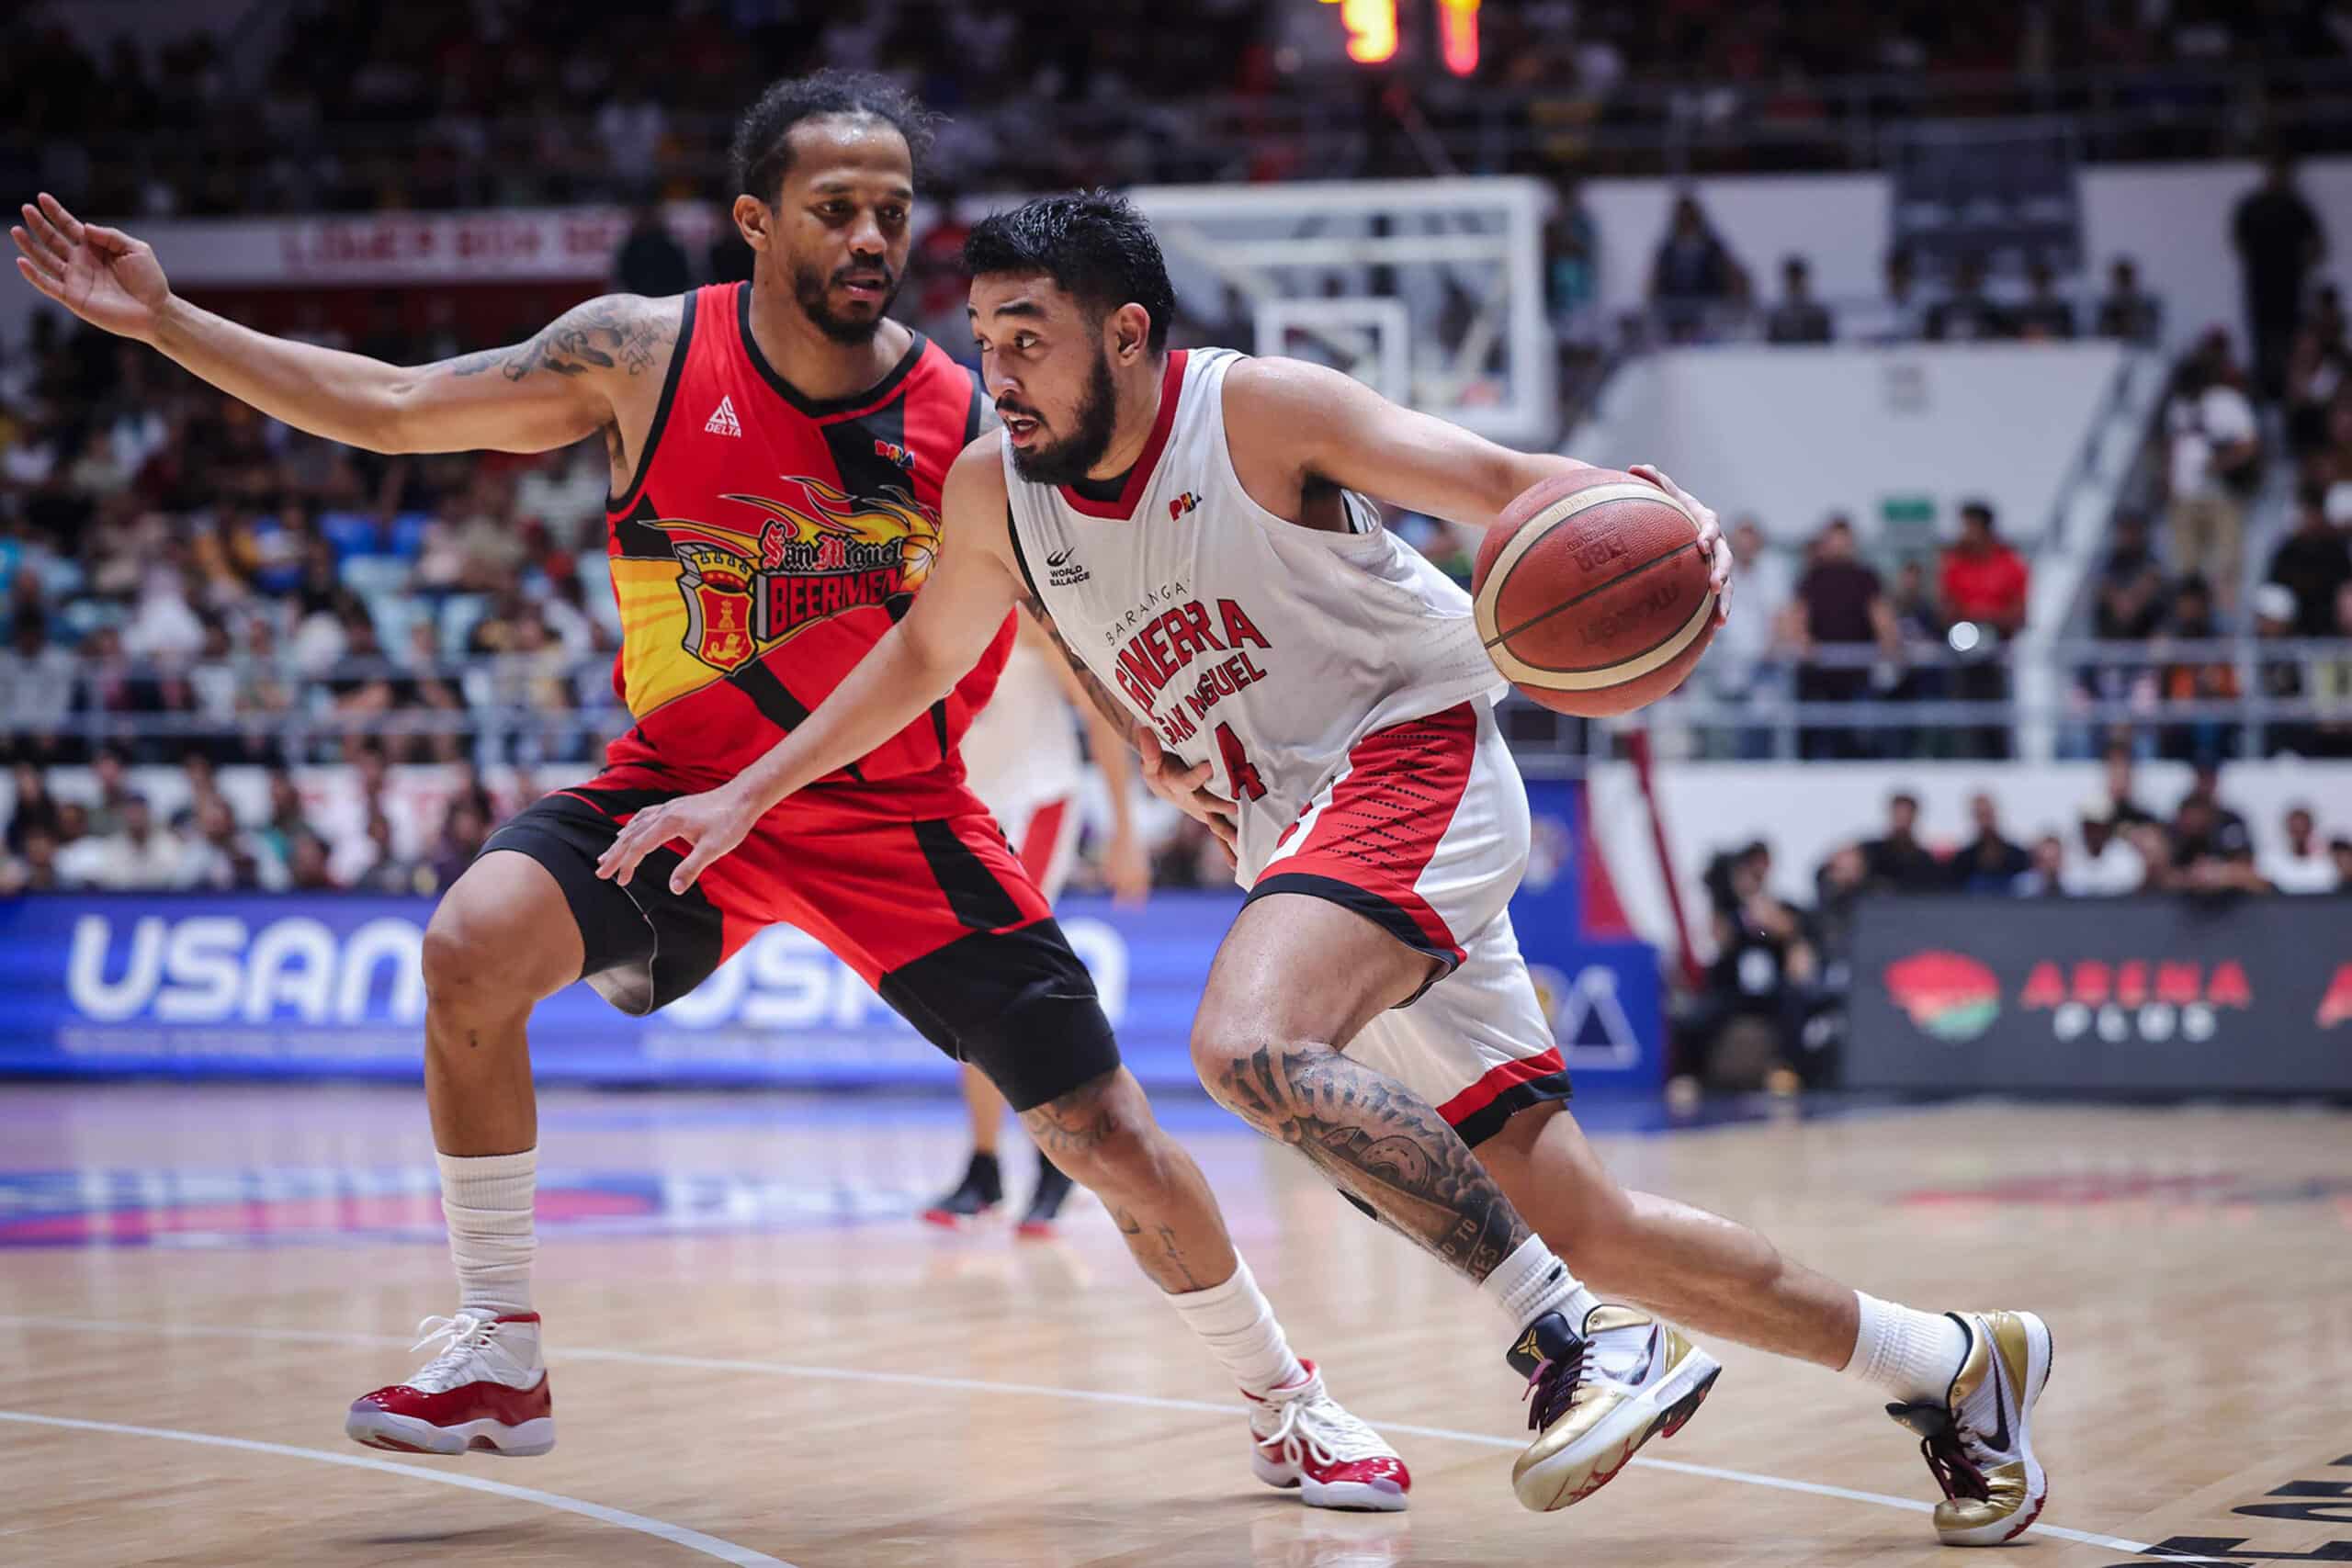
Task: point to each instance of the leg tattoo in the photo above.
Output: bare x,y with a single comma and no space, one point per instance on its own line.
1378,1140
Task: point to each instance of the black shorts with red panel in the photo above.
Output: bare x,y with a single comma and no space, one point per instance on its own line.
907,881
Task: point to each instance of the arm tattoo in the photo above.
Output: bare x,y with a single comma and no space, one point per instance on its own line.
1376,1139
615,331
1106,702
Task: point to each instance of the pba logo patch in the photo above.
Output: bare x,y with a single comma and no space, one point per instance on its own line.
896,455
1950,995
1182,504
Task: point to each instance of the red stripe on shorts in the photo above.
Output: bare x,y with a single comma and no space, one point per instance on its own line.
1386,817
1039,839
1510,1075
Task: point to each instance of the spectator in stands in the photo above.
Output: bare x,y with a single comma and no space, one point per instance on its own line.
2212,852
2046,314
631,125
389,871
1900,316
37,690
2330,685
2110,865
2214,465
2278,241
1982,584
2339,851
1897,862
2123,808
2205,676
2319,373
1840,604
307,867
137,854
1692,274
285,821
2312,563
1990,862
1764,969
2278,673
31,867
221,857
463,828
1839,886
2299,863
34,809
1969,314
2127,313
650,261
1797,316
1741,665
2131,603
2045,874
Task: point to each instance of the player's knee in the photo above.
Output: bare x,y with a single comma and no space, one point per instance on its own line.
1221,1054
1103,1137
469,963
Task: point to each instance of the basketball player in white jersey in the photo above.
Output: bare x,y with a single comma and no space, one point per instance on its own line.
1189,524
1021,757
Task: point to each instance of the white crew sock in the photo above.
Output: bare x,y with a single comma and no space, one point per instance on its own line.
1530,1282
1237,1326
1911,1354
487,1201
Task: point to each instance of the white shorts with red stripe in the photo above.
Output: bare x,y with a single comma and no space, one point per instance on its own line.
1425,834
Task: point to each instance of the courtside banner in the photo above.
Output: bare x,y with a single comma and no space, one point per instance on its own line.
268,985
2157,995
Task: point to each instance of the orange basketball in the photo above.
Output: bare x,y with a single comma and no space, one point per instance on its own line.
1592,593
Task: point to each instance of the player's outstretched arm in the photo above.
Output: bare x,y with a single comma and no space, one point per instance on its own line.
542,394
956,615
1288,422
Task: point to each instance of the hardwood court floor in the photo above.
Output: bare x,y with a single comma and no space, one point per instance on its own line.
760,1359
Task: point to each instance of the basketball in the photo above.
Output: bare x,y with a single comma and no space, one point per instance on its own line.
1592,593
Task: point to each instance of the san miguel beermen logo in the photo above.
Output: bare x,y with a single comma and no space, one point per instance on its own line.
747,592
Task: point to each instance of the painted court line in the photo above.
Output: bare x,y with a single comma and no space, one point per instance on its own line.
1041,1390
692,1540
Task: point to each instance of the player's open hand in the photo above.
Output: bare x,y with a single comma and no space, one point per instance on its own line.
1186,789
103,276
1711,536
708,824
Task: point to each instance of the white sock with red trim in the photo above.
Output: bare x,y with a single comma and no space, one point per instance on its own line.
1532,1281
487,1201
1235,1321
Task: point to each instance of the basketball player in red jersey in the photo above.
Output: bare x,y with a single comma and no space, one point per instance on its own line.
777,451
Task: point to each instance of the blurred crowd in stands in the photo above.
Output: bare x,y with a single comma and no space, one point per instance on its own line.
340,104
1782,968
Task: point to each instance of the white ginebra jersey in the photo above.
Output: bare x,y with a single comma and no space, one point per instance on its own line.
1247,640
1022,748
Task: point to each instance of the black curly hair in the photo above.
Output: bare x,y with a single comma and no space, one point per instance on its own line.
760,154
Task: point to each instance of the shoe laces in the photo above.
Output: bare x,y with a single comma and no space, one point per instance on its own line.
1954,1470
1316,1425
1551,1388
468,1335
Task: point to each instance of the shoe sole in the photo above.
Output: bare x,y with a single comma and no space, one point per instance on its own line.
1559,1480
948,1219
1342,1496
2041,1356
407,1435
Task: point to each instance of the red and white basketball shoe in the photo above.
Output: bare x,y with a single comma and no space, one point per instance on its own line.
488,1390
1306,1439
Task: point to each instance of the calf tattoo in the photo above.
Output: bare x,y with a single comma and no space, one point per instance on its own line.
1378,1140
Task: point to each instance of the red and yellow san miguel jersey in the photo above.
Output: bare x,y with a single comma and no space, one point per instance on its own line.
767,544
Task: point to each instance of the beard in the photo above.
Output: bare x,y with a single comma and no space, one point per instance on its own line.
1068,460
812,290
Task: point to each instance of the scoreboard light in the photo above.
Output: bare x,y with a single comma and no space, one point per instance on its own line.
1371,29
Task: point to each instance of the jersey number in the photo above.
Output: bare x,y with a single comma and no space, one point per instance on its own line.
1239,769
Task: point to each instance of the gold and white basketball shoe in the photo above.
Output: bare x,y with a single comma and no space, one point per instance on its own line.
1977,1441
1596,1397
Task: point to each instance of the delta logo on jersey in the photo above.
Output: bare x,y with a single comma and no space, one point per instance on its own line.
1950,995
820,555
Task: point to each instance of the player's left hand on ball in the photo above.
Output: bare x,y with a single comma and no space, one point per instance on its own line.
709,824
1710,535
